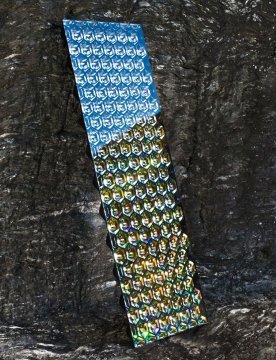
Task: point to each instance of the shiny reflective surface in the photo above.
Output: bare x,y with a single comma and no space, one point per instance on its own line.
136,179
114,82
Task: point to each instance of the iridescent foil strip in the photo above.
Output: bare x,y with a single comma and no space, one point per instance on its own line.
136,178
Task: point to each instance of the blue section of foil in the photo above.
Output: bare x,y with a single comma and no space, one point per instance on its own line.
113,76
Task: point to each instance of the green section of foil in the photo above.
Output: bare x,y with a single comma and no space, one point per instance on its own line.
138,191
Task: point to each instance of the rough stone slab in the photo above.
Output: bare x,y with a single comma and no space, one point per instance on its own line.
214,67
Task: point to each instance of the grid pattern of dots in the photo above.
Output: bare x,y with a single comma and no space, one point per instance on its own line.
113,76
138,192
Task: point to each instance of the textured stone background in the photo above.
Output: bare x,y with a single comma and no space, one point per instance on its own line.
214,66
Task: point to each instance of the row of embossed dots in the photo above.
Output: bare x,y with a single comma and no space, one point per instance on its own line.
120,134
91,34
169,325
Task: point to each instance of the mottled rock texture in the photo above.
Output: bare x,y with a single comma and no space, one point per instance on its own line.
214,66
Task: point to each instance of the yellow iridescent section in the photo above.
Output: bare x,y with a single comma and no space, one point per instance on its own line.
138,191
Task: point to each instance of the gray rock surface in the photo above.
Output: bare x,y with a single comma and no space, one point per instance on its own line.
214,66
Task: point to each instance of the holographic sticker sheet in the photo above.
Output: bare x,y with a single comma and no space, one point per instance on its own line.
136,179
